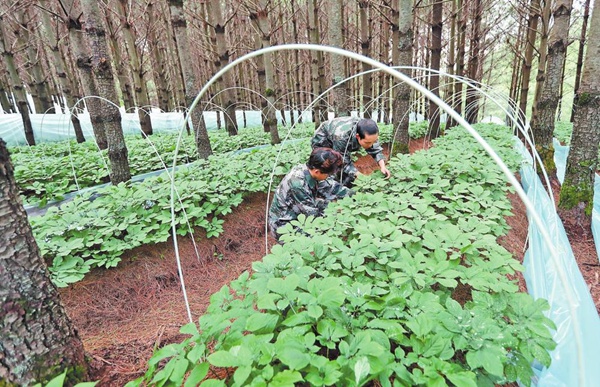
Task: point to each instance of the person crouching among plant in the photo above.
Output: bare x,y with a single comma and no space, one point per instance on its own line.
307,189
348,135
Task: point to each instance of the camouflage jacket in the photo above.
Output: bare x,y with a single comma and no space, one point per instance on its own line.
340,135
299,193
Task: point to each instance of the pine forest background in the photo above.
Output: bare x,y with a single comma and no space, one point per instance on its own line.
160,53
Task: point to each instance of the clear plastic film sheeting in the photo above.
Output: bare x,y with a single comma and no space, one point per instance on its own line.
571,365
58,127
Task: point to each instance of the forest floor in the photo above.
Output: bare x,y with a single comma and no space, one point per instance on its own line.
124,313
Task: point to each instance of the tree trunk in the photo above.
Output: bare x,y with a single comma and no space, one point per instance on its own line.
436,51
37,84
17,84
5,103
122,71
316,61
158,64
577,192
217,20
401,108
338,73
84,66
66,84
532,24
547,103
472,99
265,70
107,115
38,338
582,41
179,24
515,79
540,77
139,79
297,68
365,45
457,94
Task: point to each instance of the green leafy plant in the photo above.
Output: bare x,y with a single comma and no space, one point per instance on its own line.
368,292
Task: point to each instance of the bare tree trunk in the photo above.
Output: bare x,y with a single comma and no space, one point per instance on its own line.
316,60
17,84
515,80
137,71
582,41
457,95
38,338
338,74
436,52
5,103
179,24
540,77
37,84
66,84
547,102
297,73
108,114
123,73
159,63
365,45
532,24
266,77
84,66
401,109
472,99
577,192
217,20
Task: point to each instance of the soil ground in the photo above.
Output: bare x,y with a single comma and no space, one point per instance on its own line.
123,313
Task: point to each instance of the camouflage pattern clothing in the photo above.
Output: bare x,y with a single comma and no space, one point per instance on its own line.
299,193
340,135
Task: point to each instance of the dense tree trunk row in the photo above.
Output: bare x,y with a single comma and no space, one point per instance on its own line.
160,52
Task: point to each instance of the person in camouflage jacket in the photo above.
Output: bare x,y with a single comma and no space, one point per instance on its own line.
307,189
347,135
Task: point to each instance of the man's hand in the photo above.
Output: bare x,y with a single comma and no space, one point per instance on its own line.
386,172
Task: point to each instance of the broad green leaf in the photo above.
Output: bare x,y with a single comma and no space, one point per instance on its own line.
466,378
197,374
57,381
179,369
262,322
163,353
294,357
361,369
223,359
241,374
286,378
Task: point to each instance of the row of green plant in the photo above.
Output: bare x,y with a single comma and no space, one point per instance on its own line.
47,172
403,283
93,230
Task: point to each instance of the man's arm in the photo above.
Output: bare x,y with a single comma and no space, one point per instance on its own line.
330,189
305,203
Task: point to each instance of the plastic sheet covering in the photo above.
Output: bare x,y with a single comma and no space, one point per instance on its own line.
560,159
575,359
57,127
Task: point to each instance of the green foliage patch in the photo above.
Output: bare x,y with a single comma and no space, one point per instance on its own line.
93,230
369,291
